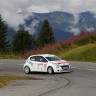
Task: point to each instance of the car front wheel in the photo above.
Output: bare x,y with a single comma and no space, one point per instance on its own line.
50,70
27,70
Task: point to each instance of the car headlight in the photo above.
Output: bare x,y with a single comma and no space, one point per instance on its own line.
56,65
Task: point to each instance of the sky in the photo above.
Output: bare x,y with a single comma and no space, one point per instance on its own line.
11,9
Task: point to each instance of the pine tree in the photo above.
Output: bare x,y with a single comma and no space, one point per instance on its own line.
3,36
22,42
46,35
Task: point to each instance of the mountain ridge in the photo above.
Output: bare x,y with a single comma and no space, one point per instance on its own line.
64,24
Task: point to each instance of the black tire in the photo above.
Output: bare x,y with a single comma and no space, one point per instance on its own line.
50,70
27,70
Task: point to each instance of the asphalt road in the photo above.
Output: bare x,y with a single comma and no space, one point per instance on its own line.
80,82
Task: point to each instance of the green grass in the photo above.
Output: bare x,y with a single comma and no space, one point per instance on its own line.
5,79
73,53
11,56
78,53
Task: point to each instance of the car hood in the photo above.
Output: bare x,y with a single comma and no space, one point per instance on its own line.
61,62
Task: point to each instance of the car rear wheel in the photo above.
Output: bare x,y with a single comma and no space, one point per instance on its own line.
50,70
27,70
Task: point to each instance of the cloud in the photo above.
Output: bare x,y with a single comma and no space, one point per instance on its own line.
42,8
90,29
75,31
76,19
13,19
19,11
11,9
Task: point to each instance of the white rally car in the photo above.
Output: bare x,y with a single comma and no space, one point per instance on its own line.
46,63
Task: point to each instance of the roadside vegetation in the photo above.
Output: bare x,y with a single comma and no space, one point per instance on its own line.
78,48
5,79
80,53
9,56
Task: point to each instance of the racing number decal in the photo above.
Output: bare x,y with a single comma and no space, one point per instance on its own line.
39,66
42,66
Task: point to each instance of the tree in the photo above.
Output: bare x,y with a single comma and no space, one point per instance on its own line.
3,36
22,42
46,35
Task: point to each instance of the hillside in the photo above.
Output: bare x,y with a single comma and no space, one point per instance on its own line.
79,53
78,48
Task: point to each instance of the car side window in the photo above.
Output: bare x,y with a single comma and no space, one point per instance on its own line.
40,59
32,58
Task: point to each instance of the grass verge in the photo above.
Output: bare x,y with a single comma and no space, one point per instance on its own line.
81,53
4,80
11,56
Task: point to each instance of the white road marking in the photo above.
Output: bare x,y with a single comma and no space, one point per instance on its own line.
84,68
19,64
92,69
1,63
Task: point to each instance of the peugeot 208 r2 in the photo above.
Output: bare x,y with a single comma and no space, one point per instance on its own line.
46,63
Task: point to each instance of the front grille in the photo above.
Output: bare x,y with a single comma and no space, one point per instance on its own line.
65,67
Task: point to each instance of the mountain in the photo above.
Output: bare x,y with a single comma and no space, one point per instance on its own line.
87,22
64,25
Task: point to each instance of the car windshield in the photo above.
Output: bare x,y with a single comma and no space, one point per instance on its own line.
53,58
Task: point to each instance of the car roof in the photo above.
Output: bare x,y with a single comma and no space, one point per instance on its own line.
44,55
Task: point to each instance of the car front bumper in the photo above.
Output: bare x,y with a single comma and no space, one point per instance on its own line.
62,69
